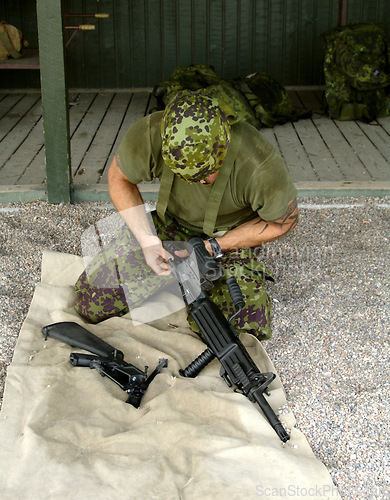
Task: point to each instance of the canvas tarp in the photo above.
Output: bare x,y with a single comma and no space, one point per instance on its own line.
66,432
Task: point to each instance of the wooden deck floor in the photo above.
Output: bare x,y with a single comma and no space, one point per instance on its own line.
325,157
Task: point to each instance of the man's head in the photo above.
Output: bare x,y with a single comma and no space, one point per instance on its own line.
195,135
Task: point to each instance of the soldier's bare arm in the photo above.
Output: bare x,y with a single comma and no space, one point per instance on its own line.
257,231
128,201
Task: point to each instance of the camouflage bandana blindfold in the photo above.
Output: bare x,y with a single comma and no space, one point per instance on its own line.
195,135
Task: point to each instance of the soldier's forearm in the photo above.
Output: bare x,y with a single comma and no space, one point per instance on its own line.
128,201
257,231
254,233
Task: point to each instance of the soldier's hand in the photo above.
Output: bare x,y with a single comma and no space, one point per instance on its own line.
156,256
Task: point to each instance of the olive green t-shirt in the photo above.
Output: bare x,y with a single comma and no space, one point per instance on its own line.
259,183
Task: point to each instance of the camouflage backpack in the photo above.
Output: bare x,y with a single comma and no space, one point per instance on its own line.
269,99
200,76
356,70
257,99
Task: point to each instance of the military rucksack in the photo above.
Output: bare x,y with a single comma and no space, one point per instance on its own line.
200,76
356,70
257,99
268,99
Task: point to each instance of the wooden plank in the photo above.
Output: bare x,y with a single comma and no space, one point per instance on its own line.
199,32
385,123
7,102
230,37
365,150
22,194
16,114
342,188
76,53
379,137
35,172
346,158
123,49
136,111
275,52
153,40
291,42
17,136
294,154
79,105
269,134
183,36
54,100
244,39
107,43
320,156
307,25
14,168
96,158
29,60
284,138
83,136
137,53
215,34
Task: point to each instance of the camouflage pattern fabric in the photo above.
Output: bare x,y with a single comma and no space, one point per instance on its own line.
268,99
200,76
234,104
192,77
104,290
195,135
257,99
356,72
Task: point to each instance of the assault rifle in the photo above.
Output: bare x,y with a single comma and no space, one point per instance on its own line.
107,360
223,342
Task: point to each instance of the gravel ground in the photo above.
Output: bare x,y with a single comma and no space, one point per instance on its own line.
331,320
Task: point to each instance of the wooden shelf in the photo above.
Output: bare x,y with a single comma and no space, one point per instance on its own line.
29,60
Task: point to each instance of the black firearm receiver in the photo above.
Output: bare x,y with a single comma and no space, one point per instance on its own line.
238,369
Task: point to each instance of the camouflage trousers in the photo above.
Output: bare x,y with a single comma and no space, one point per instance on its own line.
119,280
